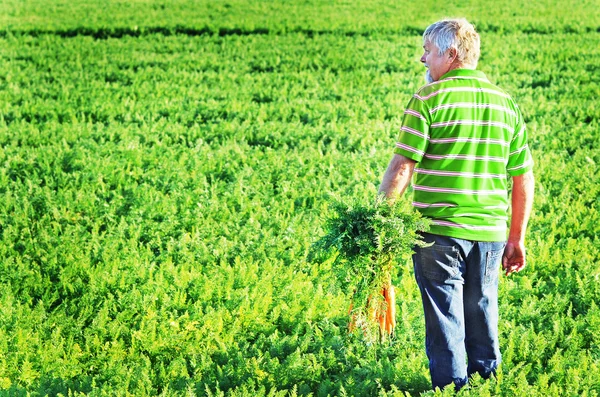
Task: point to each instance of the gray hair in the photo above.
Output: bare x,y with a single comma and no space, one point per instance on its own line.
458,34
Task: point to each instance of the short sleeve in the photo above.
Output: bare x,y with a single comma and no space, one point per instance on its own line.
519,157
414,133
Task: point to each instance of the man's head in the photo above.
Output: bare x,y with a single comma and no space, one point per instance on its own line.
449,44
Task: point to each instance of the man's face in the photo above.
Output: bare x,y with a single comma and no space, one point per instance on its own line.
437,65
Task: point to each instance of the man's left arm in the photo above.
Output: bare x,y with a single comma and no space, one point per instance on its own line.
397,176
514,258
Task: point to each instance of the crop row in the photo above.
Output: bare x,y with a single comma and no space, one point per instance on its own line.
114,18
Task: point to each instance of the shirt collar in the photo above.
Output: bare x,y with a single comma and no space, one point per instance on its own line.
475,74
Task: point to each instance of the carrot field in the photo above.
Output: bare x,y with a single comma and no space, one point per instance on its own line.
166,166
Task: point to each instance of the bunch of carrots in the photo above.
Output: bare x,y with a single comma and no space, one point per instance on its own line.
384,313
364,243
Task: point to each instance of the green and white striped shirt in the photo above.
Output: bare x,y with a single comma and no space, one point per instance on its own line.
467,136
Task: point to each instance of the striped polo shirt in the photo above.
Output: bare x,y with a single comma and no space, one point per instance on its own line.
467,137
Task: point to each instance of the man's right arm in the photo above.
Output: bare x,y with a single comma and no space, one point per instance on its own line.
397,176
514,258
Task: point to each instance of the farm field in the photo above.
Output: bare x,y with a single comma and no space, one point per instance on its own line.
167,165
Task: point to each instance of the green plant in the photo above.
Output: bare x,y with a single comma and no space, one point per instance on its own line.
365,241
166,166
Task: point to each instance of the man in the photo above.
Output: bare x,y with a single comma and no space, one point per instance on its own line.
462,137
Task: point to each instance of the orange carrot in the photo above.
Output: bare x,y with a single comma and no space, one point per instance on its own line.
382,317
390,297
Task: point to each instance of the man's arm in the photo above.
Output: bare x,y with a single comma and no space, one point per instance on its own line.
513,259
397,176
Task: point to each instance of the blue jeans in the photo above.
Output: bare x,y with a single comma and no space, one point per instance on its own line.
458,280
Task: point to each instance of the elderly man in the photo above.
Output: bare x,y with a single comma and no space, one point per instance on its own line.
462,137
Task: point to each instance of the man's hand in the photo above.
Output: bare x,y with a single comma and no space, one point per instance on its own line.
513,259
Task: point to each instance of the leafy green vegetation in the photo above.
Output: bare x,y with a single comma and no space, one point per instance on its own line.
166,167
364,243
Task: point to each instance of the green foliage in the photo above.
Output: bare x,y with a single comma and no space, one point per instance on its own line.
362,234
365,241
166,166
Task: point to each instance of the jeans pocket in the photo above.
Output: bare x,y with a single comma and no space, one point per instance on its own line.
492,266
440,262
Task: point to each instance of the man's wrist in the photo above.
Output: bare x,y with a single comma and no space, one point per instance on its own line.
518,239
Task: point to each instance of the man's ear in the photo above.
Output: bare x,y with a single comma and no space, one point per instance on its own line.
452,55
